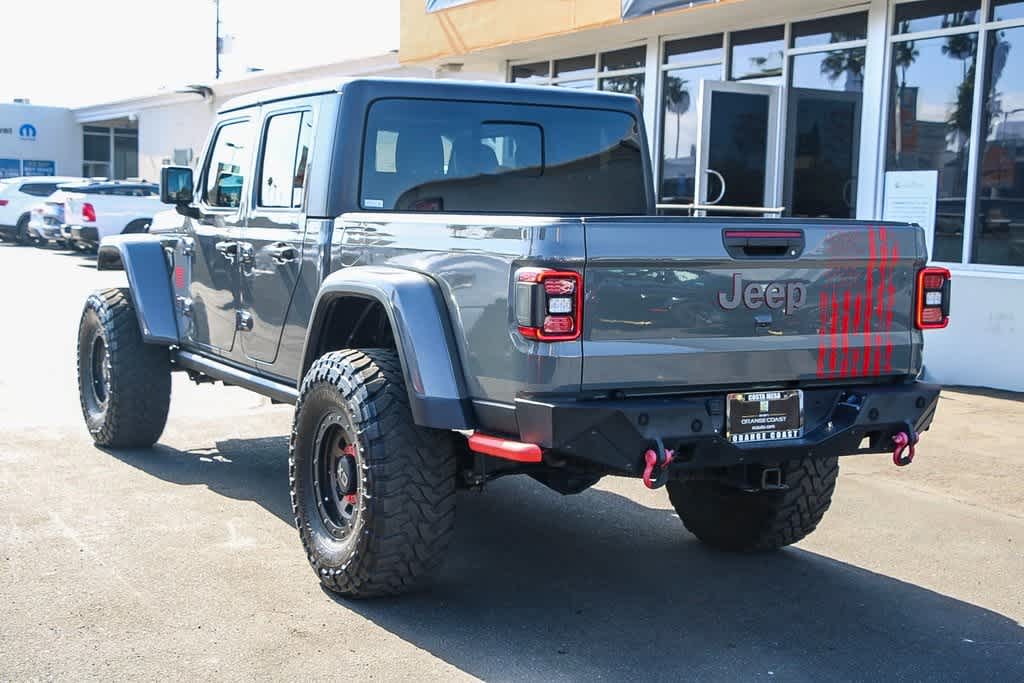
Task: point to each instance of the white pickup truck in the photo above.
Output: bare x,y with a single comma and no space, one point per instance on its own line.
99,210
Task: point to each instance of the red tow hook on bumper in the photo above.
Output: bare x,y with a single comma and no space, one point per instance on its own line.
658,459
904,442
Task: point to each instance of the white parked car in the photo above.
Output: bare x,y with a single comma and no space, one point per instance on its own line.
112,208
18,196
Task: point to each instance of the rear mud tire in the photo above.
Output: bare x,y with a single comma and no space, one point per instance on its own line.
734,520
401,514
124,384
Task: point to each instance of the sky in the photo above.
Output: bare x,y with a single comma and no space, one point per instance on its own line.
77,52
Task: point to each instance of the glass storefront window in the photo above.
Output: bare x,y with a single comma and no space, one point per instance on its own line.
631,85
694,50
575,67
530,73
831,30
929,15
681,89
930,100
824,133
757,54
1007,9
999,217
97,147
629,58
126,156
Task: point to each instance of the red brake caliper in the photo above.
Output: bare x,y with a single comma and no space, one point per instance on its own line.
350,451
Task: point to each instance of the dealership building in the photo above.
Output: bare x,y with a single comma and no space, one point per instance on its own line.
880,109
807,108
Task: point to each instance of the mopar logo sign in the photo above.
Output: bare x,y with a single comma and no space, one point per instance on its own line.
27,131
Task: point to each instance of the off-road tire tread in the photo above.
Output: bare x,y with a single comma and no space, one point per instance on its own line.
735,520
412,473
140,383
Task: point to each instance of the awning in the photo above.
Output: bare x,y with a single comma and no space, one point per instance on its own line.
636,8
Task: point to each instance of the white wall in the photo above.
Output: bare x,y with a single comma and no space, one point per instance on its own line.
175,126
58,136
984,342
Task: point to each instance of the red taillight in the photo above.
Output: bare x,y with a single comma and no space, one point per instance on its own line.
549,304
3,202
932,300
88,212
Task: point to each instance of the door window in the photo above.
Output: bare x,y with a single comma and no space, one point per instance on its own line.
824,133
285,157
225,173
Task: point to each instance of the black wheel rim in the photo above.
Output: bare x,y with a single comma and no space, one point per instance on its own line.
336,477
99,371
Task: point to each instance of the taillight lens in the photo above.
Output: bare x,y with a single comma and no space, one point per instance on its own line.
549,304
88,212
3,202
932,307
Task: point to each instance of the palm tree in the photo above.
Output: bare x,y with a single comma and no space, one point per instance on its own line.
903,56
677,101
849,62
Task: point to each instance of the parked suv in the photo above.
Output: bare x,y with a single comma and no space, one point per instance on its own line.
18,196
455,282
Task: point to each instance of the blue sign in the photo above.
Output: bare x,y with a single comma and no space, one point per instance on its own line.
31,167
27,131
10,168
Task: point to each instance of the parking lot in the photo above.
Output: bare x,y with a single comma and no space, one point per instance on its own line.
182,560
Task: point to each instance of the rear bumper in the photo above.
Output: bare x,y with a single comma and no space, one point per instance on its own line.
614,434
85,235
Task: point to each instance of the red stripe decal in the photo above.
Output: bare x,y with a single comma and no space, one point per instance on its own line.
858,302
834,336
889,311
868,303
823,320
844,371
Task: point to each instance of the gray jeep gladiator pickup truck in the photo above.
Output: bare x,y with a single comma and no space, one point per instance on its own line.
454,282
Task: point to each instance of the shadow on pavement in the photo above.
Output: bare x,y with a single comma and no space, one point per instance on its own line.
543,587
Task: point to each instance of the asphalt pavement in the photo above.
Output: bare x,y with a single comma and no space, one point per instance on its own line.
181,561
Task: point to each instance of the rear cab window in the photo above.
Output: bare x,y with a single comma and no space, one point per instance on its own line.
285,156
437,155
39,189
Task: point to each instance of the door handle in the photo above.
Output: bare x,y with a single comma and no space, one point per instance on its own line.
721,180
228,250
283,253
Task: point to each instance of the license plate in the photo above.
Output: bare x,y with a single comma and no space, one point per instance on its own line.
764,416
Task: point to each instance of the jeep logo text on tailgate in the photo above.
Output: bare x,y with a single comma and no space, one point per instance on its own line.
788,296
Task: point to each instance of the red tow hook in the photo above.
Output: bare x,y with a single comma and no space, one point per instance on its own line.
660,459
904,441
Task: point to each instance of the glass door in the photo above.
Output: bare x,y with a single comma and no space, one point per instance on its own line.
738,135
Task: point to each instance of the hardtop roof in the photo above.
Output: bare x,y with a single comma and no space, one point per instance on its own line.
449,89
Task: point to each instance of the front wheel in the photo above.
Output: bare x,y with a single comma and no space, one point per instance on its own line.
744,521
124,384
21,235
373,493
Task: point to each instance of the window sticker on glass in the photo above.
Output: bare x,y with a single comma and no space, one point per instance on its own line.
373,203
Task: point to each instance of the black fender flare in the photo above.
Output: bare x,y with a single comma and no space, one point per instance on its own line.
142,258
423,336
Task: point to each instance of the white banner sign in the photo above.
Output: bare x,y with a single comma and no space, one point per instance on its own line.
910,197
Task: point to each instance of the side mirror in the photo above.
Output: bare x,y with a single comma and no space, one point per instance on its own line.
176,185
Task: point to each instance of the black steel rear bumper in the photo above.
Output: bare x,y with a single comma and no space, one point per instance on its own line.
85,235
614,434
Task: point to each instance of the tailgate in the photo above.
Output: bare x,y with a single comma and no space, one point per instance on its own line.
675,302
